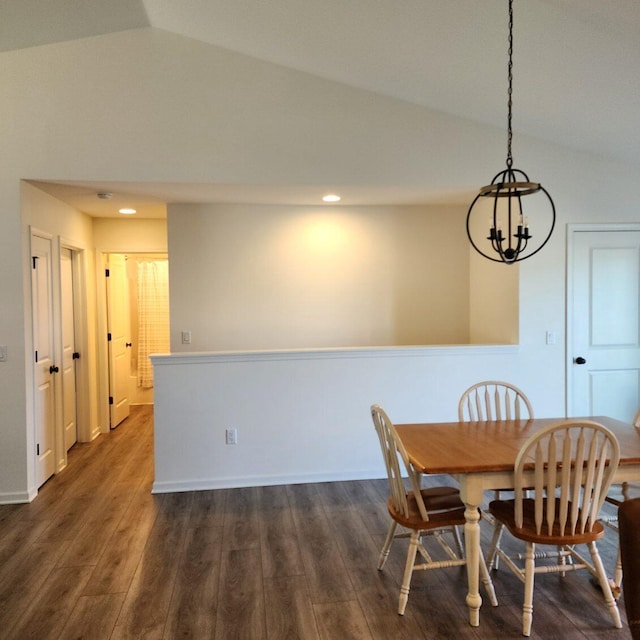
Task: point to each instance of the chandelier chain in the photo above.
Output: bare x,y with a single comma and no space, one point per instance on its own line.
510,90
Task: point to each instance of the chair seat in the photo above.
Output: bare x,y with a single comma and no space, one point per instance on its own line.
504,511
442,503
621,491
440,498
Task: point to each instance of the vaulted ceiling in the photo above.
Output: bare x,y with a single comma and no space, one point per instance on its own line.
576,62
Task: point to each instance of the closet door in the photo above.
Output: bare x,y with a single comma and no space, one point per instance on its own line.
45,369
604,323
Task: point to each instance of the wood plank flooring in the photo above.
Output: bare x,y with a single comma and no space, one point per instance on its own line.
96,556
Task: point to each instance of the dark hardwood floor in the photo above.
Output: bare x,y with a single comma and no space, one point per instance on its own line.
96,556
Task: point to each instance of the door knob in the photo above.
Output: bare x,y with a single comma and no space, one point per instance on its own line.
53,369
128,344
579,360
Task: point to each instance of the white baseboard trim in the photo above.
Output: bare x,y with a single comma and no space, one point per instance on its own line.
18,497
258,481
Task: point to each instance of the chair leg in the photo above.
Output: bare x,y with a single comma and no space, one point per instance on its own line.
604,584
408,570
488,583
492,558
562,559
495,560
529,576
458,541
617,573
384,553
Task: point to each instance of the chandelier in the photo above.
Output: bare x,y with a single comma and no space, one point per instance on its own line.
509,231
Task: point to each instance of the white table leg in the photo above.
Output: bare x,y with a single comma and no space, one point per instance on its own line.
472,498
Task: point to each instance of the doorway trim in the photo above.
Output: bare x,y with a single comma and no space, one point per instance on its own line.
84,389
572,230
103,358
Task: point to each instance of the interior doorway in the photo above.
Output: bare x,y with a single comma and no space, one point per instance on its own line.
118,338
137,326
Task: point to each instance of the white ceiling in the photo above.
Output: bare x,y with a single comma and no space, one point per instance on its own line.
576,62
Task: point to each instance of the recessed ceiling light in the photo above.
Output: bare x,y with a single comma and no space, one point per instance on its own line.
331,198
127,212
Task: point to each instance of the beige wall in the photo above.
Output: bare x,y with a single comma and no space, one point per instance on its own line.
267,277
119,235
149,106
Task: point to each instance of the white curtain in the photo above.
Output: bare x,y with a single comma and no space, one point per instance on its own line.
153,316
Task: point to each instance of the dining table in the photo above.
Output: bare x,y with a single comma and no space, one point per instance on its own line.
481,455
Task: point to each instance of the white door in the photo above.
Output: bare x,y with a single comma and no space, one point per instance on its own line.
604,323
69,354
119,340
45,368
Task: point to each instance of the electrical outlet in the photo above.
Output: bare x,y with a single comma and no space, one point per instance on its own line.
232,436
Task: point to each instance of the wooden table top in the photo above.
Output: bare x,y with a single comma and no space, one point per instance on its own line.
492,446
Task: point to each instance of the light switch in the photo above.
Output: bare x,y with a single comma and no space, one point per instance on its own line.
186,337
3,352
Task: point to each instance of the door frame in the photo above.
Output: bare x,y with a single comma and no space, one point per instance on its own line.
572,230
84,389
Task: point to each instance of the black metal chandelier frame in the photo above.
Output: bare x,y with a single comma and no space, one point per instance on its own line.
512,184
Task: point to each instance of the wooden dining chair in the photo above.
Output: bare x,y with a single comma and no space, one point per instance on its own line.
421,512
620,492
570,466
494,400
